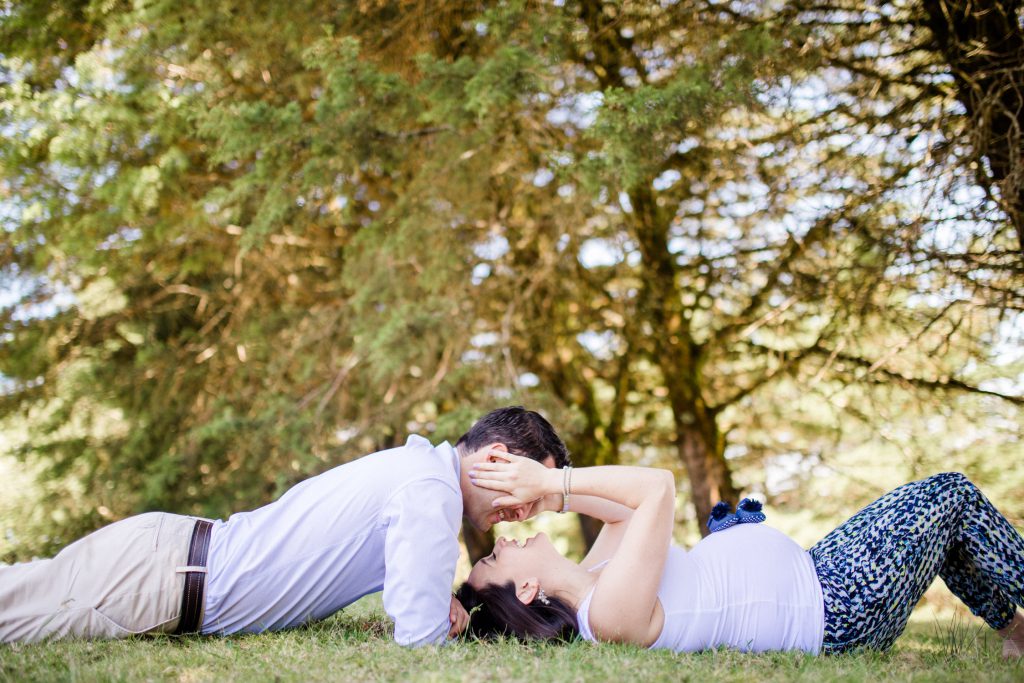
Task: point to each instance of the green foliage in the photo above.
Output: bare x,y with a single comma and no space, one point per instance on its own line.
244,243
497,82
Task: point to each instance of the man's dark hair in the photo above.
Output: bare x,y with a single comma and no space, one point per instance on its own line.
495,610
524,432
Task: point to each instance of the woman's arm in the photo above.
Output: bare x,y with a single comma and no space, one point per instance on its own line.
615,516
626,596
625,600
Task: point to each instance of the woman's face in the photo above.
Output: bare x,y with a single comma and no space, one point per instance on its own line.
514,561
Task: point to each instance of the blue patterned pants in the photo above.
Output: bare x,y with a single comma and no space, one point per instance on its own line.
876,566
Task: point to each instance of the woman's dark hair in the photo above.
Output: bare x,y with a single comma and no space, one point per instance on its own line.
494,610
524,432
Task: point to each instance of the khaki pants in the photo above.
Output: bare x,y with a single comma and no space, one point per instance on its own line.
115,582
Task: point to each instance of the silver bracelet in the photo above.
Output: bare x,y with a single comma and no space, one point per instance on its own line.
566,483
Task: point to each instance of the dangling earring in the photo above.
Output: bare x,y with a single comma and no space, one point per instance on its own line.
542,596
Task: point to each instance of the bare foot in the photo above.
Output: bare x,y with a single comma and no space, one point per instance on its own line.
1013,635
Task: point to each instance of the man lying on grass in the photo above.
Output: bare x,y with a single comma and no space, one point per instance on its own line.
748,586
387,521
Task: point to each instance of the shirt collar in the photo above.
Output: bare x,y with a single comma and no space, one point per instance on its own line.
445,447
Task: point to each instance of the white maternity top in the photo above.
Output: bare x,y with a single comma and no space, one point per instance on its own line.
749,587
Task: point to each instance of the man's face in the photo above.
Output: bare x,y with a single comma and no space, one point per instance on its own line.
476,501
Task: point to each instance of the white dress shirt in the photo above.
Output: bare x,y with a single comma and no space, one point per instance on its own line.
389,520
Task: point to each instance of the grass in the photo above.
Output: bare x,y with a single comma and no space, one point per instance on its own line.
356,645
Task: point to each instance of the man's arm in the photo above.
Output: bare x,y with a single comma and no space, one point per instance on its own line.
421,549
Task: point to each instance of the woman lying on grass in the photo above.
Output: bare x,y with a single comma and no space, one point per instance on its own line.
749,586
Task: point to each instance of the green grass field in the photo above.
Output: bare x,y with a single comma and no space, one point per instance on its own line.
355,646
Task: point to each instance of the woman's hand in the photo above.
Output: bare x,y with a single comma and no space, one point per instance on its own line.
552,502
523,479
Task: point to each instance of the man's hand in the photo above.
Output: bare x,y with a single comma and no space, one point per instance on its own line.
458,617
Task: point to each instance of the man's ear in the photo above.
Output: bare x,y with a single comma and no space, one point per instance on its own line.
491,457
528,590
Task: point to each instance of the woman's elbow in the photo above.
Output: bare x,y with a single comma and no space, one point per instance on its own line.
658,485
667,482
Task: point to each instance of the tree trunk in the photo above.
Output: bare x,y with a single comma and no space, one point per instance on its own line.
697,437
679,357
589,528
706,468
698,441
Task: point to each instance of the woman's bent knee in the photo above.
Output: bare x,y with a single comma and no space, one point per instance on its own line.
952,480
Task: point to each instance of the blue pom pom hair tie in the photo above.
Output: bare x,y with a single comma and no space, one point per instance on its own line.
721,517
749,512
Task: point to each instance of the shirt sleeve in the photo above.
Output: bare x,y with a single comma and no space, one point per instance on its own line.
421,549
